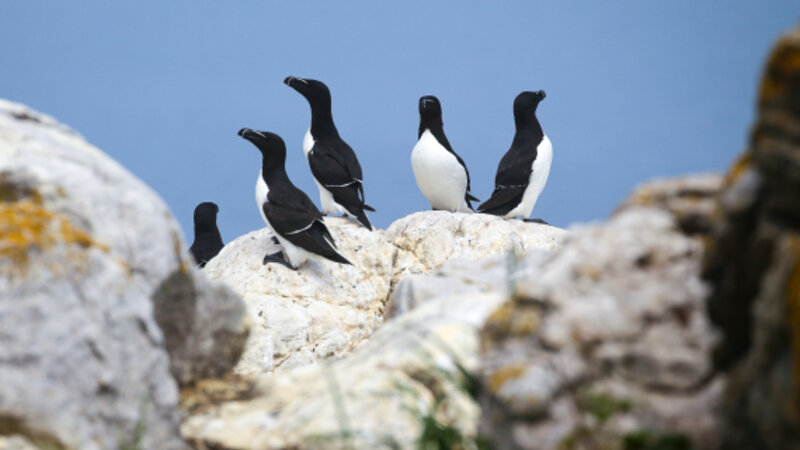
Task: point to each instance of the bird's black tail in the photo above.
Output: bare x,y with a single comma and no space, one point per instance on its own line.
337,257
502,201
469,198
361,217
322,243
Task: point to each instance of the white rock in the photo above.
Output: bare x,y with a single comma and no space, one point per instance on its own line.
434,237
324,310
85,250
320,311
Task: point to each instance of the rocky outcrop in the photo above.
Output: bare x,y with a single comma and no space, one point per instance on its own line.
325,310
88,253
318,312
605,335
753,265
691,199
602,343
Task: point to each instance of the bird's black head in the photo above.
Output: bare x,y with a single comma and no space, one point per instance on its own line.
430,113
529,99
205,216
525,107
430,108
314,91
272,147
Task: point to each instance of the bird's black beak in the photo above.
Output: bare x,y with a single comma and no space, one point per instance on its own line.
245,133
295,82
541,95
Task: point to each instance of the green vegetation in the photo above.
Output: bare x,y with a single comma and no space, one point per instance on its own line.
135,442
603,405
437,436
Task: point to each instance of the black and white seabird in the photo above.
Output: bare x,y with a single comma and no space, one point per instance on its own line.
288,212
522,173
441,174
333,163
207,241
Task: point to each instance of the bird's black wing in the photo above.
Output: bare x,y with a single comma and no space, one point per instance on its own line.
301,224
513,175
335,166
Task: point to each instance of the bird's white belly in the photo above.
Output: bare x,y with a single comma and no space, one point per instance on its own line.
261,194
308,142
537,180
329,206
439,175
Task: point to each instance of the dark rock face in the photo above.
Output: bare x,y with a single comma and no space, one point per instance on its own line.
753,265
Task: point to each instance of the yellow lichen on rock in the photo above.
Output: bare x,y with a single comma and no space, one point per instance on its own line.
502,375
26,225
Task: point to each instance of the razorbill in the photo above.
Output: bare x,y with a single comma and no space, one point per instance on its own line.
288,212
522,173
441,174
207,241
333,163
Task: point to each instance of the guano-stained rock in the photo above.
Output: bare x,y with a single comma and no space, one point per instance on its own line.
318,312
434,237
325,310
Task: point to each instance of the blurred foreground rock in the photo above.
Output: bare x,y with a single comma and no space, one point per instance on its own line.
408,380
603,342
691,199
754,265
88,253
325,310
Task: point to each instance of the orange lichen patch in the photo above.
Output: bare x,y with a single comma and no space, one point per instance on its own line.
793,306
27,225
504,374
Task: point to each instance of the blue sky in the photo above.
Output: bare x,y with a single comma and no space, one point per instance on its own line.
635,90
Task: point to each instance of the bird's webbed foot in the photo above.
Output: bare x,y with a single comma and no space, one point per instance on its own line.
277,258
